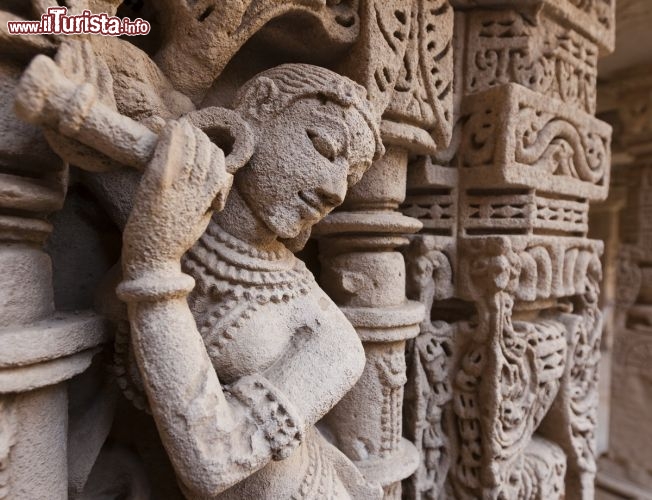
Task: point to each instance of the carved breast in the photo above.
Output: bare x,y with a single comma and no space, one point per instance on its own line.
245,301
246,339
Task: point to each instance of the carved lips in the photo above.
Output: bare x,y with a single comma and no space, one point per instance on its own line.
313,202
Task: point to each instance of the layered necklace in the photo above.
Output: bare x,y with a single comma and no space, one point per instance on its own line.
234,279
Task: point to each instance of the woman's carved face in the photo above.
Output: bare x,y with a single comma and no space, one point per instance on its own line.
306,158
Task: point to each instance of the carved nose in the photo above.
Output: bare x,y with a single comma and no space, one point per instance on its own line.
333,188
329,198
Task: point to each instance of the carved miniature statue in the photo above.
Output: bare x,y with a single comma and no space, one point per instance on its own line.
241,353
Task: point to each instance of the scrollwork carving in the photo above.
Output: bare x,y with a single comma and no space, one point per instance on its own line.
427,400
545,141
532,364
429,356
386,26
572,421
423,93
543,472
556,144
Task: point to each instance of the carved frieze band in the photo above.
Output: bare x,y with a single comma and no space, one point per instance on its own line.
532,50
514,136
518,211
594,19
548,268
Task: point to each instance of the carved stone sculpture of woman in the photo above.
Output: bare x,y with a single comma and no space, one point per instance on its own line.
239,351
243,353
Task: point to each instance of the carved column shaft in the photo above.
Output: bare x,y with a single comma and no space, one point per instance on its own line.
408,54
365,275
40,349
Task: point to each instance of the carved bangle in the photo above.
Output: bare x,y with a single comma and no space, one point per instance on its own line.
273,413
153,287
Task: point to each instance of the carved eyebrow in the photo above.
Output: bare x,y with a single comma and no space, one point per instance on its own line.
336,128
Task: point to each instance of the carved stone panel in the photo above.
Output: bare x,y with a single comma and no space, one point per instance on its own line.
307,249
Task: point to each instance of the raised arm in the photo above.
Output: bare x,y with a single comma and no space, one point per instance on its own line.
214,438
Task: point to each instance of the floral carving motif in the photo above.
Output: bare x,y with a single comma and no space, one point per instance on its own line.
427,407
423,93
428,393
532,364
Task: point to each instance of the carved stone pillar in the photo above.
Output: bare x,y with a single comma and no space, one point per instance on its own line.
627,466
526,159
40,348
409,79
364,273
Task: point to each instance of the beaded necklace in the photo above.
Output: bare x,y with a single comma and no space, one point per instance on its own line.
234,279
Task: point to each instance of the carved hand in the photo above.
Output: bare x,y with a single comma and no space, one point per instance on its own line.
185,180
78,62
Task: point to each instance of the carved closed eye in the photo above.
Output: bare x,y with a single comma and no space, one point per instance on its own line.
322,145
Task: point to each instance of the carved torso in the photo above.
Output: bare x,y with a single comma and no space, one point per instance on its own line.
250,306
244,301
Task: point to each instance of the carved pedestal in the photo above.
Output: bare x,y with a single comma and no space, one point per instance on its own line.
40,349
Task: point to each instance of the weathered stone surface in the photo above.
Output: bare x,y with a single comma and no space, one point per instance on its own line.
626,467
431,163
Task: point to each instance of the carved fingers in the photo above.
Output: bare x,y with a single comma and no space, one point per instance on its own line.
185,180
80,64
188,168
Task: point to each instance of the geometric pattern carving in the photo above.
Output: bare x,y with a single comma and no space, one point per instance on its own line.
526,213
533,51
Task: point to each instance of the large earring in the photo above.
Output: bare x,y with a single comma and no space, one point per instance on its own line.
228,130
